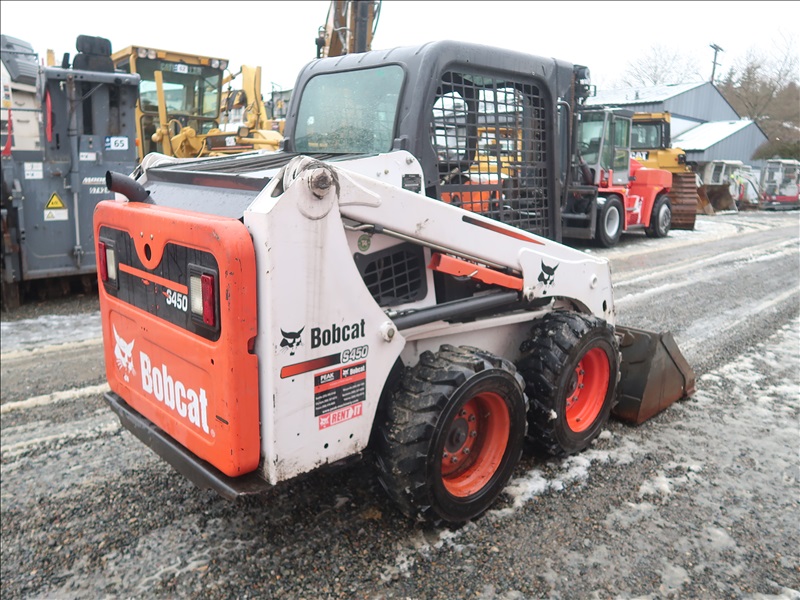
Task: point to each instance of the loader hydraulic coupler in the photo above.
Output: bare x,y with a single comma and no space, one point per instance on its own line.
654,374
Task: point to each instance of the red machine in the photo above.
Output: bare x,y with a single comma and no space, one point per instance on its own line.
614,192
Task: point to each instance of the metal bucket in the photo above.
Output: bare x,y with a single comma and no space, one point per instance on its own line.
654,374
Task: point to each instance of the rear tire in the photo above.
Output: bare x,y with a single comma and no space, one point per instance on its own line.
661,218
452,434
609,222
570,365
10,296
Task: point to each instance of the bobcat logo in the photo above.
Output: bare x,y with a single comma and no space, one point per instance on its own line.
548,275
123,352
291,340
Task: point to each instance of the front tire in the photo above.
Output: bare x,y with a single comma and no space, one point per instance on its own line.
661,218
609,222
570,365
452,434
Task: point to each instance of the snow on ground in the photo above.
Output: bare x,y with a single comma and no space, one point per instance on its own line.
28,334
732,436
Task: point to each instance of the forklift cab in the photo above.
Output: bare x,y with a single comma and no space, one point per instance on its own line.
604,143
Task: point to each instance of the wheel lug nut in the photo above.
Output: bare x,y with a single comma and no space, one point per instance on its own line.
466,450
471,418
454,459
473,434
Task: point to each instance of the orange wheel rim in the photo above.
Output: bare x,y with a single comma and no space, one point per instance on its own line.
588,388
475,444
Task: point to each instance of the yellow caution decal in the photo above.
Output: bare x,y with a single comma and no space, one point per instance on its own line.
55,202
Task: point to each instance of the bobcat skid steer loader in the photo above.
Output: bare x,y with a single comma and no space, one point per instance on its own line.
267,314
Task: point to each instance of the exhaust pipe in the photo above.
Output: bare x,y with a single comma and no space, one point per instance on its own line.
127,186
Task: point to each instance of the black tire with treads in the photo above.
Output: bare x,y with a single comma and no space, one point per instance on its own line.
451,434
570,364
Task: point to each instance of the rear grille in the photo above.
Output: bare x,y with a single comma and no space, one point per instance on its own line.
491,140
163,291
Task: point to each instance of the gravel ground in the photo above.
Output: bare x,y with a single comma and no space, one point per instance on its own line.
702,501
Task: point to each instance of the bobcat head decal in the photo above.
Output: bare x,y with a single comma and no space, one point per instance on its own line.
548,274
291,340
123,352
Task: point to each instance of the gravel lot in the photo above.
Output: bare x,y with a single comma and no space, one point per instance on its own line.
703,501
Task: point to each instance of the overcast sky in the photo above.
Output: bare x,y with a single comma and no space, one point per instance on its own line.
279,36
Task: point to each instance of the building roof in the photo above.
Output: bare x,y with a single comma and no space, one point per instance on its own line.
644,95
706,135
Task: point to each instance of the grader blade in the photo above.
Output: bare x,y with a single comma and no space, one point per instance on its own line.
654,374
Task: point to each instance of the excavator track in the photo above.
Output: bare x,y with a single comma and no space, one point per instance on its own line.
684,200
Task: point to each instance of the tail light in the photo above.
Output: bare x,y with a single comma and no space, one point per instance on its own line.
106,262
203,297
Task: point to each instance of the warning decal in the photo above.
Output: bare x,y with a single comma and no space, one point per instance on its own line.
56,215
338,394
55,202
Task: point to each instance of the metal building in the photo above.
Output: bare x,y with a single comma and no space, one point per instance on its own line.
703,123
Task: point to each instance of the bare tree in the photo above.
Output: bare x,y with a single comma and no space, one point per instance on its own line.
764,88
754,82
661,66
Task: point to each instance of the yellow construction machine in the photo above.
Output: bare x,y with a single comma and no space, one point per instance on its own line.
349,27
245,107
651,146
178,112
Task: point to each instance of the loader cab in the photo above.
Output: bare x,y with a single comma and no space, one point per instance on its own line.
780,183
481,121
604,143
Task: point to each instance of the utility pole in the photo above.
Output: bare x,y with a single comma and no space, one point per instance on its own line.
717,49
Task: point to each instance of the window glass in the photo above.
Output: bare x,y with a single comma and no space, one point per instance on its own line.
591,130
622,133
188,89
646,135
349,112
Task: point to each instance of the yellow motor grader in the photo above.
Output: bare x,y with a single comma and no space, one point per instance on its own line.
178,112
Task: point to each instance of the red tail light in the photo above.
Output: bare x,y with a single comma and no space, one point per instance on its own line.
203,296
102,261
209,301
106,262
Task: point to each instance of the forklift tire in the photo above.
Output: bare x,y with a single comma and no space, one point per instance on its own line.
661,218
451,434
570,365
609,222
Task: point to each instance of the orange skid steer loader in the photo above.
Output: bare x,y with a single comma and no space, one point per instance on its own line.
267,314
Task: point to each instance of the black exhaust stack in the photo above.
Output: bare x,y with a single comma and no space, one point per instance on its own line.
127,186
